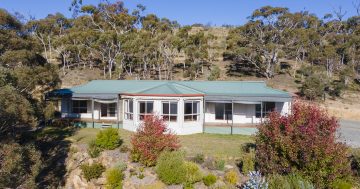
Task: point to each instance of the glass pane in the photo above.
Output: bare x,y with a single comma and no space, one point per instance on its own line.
258,107
83,103
166,118
195,117
195,107
131,106
228,111
270,106
165,108
142,107
173,108
149,107
188,108
219,111
173,118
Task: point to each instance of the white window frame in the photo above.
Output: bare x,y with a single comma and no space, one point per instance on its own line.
77,106
197,114
128,113
142,115
169,115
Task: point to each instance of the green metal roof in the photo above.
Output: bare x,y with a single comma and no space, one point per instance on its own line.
215,88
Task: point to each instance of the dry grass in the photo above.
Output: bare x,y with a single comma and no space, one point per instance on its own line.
217,145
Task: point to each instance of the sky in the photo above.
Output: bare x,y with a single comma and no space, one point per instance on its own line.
187,12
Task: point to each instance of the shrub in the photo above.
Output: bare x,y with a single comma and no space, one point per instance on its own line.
108,139
248,162
341,184
209,179
220,164
171,167
92,171
93,150
231,177
290,181
304,141
124,149
256,181
214,74
193,173
355,162
151,138
199,158
114,177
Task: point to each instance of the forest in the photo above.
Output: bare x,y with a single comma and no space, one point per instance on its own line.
322,54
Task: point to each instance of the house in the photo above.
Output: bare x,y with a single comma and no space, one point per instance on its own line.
187,106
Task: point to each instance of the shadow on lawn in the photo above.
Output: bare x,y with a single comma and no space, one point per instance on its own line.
54,147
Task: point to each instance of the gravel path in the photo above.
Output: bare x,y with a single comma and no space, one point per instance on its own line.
350,132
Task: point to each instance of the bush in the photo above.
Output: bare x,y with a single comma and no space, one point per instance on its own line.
313,87
231,177
108,139
214,74
193,173
290,181
341,184
248,162
304,141
121,166
256,181
171,168
124,149
220,164
93,171
114,178
355,162
199,158
93,150
151,138
209,179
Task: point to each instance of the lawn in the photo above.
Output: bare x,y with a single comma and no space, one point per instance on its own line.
217,145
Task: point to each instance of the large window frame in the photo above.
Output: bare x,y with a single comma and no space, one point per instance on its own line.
267,108
225,109
108,109
147,109
189,113
79,106
169,111
129,109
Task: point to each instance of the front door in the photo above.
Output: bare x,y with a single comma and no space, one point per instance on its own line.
223,111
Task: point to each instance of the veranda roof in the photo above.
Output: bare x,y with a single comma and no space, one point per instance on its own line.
211,90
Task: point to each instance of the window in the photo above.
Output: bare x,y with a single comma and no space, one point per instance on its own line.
146,108
267,108
169,111
129,111
108,110
223,111
79,106
191,110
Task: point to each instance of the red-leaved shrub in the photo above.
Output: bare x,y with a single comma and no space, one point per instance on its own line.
151,138
305,142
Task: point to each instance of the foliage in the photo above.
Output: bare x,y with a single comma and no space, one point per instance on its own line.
341,184
304,141
171,167
114,177
193,173
256,181
231,177
124,148
199,158
93,171
209,179
248,162
19,165
108,139
121,165
220,164
151,138
214,74
93,149
355,161
313,87
290,181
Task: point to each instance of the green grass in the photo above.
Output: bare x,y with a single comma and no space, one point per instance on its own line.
217,145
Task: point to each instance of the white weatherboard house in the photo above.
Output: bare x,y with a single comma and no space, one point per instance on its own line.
187,106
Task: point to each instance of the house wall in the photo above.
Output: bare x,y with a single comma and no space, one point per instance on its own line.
180,127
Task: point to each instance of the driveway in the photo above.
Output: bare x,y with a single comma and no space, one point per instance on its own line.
350,132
